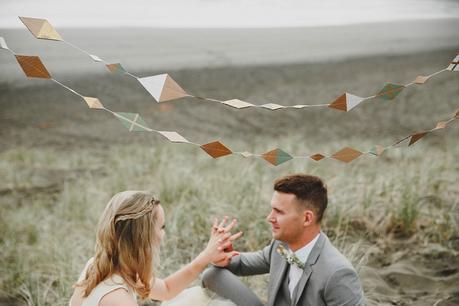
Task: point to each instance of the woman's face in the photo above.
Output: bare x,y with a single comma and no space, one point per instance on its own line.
160,225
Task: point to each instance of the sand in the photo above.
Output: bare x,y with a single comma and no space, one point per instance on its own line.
283,65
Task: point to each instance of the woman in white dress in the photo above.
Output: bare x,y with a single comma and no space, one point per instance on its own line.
128,238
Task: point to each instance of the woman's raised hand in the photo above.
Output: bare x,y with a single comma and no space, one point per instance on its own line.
219,248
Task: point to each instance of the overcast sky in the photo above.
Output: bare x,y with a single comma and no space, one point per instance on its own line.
221,13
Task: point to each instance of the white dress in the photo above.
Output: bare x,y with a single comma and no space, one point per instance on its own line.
108,285
194,296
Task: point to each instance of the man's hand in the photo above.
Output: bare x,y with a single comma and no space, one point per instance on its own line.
228,246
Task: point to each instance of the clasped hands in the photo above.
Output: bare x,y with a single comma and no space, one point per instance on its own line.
220,245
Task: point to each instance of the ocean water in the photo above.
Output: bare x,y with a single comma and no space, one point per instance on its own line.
222,13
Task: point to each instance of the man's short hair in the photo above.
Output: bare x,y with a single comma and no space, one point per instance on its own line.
310,191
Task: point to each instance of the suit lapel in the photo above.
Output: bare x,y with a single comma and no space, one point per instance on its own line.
312,258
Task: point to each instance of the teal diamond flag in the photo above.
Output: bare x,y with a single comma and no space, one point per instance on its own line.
390,91
132,121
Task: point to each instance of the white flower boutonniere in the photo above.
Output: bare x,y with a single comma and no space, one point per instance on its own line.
290,256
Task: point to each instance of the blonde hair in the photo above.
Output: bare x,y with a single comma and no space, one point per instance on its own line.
127,242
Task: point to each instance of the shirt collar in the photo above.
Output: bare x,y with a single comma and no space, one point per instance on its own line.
303,253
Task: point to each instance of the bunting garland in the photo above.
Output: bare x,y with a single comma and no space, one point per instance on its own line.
164,88
34,68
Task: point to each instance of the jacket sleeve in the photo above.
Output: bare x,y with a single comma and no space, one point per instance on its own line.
343,288
252,263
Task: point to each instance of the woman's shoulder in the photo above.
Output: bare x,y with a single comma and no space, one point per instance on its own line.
113,288
119,296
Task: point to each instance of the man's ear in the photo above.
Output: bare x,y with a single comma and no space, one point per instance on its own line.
309,217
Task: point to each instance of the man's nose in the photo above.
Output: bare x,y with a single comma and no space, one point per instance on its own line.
269,217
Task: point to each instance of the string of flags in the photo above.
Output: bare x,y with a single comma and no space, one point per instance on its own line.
34,68
164,88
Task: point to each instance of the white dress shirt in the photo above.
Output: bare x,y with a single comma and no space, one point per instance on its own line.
295,272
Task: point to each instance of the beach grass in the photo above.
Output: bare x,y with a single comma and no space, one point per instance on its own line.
395,217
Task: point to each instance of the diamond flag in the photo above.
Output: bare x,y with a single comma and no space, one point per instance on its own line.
377,150
346,102
317,157
454,65
3,44
162,87
390,91
216,149
236,103
33,67
93,102
116,68
416,137
132,121
272,106
40,28
276,157
173,136
421,79
346,155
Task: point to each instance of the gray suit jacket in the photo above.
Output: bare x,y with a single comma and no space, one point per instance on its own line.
328,278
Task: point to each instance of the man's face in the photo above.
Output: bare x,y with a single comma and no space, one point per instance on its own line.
286,217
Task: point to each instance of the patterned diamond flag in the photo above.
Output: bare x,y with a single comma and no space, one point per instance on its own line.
216,149
346,155
390,91
162,87
346,102
93,102
377,150
317,157
173,136
116,68
276,157
272,106
40,28
404,142
237,103
454,65
3,44
133,122
416,137
33,67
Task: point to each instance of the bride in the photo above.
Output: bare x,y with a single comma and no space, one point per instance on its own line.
128,238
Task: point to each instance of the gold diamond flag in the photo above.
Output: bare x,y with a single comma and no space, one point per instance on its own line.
93,102
216,149
346,155
40,28
33,67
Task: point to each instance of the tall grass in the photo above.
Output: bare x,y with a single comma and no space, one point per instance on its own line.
56,181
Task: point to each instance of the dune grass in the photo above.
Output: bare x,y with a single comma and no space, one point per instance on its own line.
56,180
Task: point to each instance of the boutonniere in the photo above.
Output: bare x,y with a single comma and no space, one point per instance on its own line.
290,256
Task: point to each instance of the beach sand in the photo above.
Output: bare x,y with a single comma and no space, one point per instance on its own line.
285,66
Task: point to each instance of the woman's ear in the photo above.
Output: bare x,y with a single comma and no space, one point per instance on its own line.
308,217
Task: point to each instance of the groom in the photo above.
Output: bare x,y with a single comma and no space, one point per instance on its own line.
317,274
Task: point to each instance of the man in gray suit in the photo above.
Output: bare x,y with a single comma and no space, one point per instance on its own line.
304,267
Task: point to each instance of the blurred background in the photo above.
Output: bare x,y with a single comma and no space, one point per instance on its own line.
395,217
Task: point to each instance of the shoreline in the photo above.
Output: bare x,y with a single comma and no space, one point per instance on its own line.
137,48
